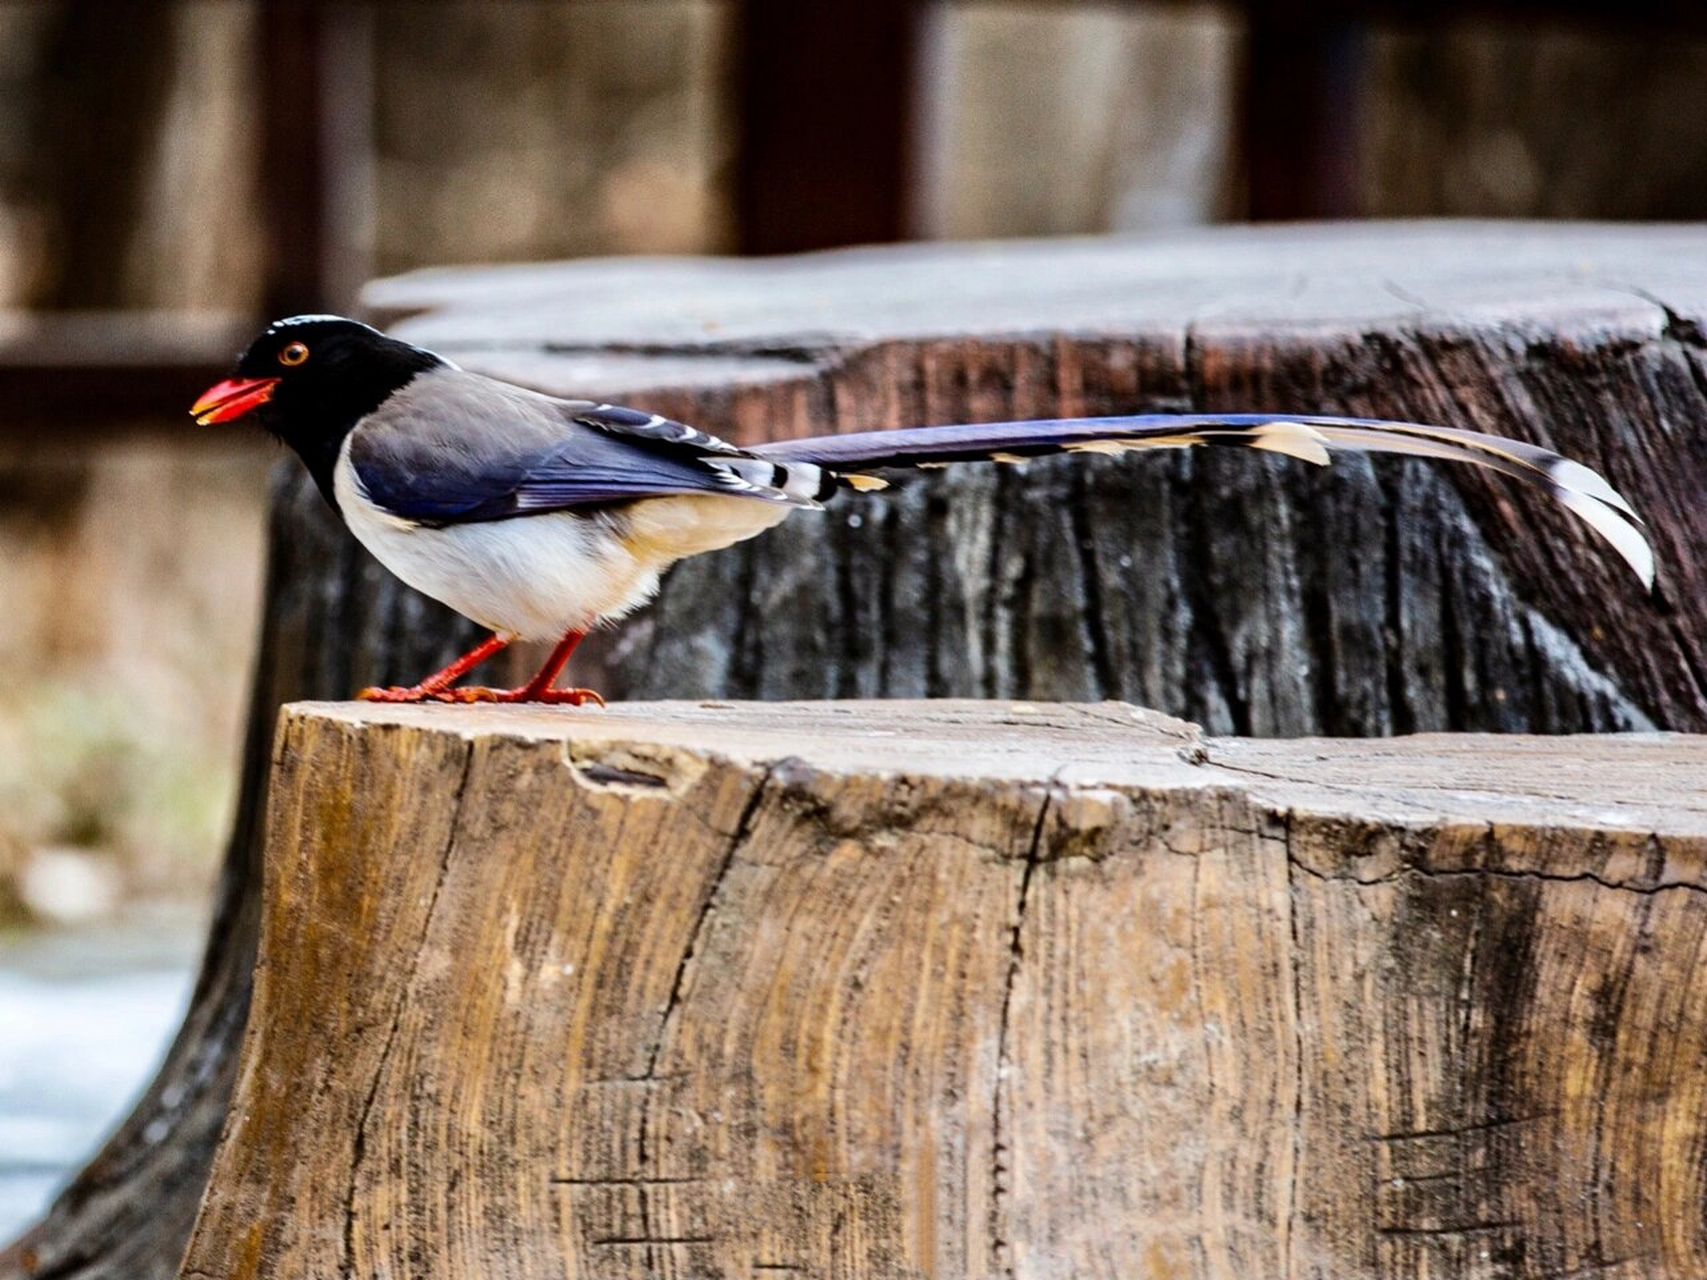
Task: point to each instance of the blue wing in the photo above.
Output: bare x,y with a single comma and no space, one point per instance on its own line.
465,449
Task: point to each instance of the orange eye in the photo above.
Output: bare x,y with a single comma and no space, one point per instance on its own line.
293,354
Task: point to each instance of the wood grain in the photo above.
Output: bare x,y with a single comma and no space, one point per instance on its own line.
965,990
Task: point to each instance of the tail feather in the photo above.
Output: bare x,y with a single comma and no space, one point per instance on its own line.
1312,439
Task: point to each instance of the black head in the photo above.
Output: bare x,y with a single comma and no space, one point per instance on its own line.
309,379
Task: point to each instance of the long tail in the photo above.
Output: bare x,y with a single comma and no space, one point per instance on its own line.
1313,439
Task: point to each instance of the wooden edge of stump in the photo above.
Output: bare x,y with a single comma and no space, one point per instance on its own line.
963,989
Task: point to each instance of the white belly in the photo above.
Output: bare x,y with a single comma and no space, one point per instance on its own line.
537,577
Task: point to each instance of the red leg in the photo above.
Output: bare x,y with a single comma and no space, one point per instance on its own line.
539,688
435,685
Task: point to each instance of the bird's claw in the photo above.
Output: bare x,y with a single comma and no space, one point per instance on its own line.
549,697
570,697
396,693
478,693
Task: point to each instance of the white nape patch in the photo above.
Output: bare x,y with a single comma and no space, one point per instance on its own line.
1294,439
865,484
289,321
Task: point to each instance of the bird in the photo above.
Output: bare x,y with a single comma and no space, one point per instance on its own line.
540,518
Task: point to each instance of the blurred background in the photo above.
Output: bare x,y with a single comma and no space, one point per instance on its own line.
173,173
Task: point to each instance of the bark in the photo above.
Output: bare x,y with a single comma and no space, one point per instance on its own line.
964,989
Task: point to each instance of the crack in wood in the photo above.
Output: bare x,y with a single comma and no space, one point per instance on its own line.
1294,1190
738,837
1453,1229
1000,1250
1497,873
1462,1130
847,598
648,1241
358,1151
888,531
609,775
746,646
677,985
1610,1016
633,1181
1401,716
1199,586
1093,618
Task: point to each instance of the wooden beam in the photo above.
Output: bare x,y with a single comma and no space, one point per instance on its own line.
101,371
1301,96
824,104
316,90
1674,15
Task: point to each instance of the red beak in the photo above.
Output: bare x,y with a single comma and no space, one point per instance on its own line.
231,399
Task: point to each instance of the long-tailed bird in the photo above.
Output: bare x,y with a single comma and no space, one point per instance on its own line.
539,517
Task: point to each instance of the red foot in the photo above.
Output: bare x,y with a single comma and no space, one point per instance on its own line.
555,697
402,693
436,687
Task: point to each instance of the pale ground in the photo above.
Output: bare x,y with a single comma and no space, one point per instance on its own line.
86,1015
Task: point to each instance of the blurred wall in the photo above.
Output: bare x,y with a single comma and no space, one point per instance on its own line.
131,584
520,130
127,139
1494,120
1059,119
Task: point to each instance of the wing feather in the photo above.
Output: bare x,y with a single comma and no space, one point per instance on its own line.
466,449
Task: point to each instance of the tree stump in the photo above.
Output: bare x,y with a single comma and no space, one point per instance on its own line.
1251,596
958,990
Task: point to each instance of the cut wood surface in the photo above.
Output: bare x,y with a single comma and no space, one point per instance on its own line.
965,990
